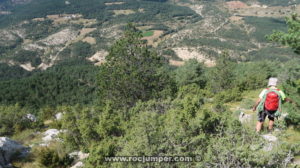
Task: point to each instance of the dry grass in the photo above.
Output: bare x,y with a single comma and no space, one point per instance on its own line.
176,63
27,66
236,5
90,40
52,17
86,31
85,22
113,3
192,53
65,18
151,40
242,9
144,28
123,12
99,57
38,19
236,18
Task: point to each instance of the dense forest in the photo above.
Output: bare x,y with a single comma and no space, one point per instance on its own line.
153,11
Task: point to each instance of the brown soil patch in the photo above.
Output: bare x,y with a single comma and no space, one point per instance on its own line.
63,18
236,5
263,11
90,40
123,12
144,27
99,57
85,22
176,63
192,53
38,19
152,40
113,3
85,31
27,41
236,18
44,66
52,17
27,66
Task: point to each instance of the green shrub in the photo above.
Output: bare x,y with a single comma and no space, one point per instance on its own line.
191,72
49,158
293,117
13,120
229,95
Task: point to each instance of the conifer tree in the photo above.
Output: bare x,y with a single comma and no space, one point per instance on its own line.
131,71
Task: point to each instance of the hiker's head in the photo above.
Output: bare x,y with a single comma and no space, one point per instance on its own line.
272,82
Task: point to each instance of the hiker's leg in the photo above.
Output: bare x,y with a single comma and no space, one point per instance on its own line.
271,124
260,122
259,126
271,120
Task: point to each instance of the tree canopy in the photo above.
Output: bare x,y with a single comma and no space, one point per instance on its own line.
290,38
131,72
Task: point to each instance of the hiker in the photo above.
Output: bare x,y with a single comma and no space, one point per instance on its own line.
269,104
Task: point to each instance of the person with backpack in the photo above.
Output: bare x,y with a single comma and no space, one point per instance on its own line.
269,104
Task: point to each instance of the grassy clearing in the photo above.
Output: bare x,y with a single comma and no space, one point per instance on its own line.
148,33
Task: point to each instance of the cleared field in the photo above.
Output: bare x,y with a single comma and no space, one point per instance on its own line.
176,63
99,57
152,39
123,12
90,40
113,3
242,9
192,53
148,33
85,31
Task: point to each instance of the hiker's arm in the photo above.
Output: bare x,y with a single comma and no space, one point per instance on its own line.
288,100
256,104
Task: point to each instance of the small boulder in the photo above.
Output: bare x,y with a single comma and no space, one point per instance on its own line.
270,138
271,142
78,165
9,149
51,135
58,116
31,117
243,118
79,156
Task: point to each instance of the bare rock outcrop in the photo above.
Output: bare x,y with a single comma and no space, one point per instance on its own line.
10,149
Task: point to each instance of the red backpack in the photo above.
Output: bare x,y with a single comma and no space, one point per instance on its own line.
272,100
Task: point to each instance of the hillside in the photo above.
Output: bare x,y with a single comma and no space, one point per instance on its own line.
104,83
39,34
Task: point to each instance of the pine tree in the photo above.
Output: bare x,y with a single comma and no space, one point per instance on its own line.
222,75
131,71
